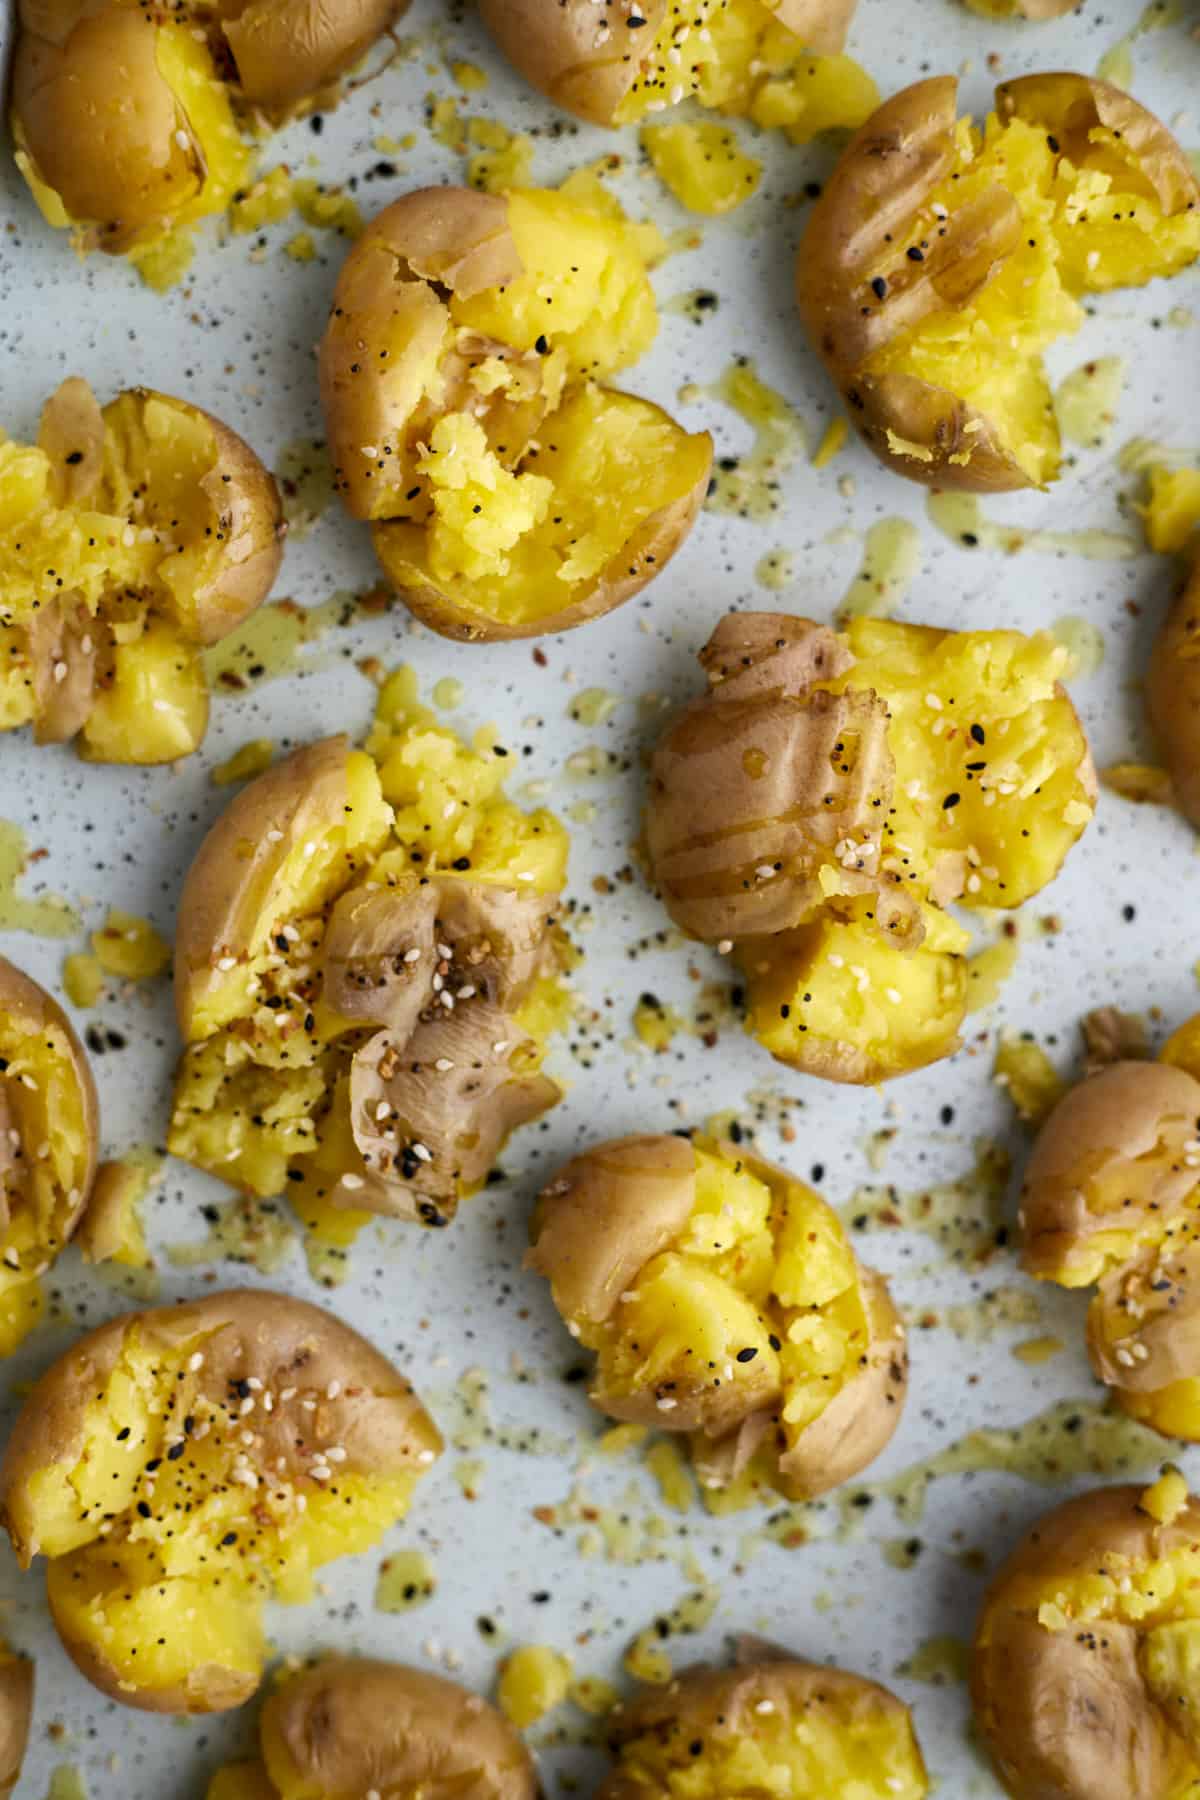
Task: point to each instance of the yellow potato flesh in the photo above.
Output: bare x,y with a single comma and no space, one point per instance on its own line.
976,721
242,1781
753,1270
840,1749
516,548
161,1571
703,165
733,56
187,183
1172,510
136,557
1085,230
45,1106
259,1097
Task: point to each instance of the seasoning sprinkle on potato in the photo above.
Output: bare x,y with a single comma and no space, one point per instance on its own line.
367,972
722,1299
1085,1668
942,260
130,537
772,1725
179,1467
821,806
510,491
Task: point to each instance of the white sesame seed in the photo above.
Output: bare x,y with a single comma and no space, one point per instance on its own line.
225,963
443,1064
335,1454
352,1181
422,1153
60,671
413,955
333,1390
195,1361
500,1047
445,952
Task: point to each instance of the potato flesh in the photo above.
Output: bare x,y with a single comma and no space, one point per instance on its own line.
733,56
41,1100
1084,230
161,1592
753,1270
974,715
259,1098
202,179
541,539
135,557
703,165
840,1750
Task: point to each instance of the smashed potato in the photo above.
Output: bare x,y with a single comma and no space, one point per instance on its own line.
130,537
367,973
752,58
819,808
351,1725
941,261
131,124
179,1467
1086,1661
49,1134
16,1712
1111,1199
773,1726
510,492
1173,694
722,1299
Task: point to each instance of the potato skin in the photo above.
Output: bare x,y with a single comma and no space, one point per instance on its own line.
555,45
633,567
1173,696
254,1333
1117,1115
887,171
1067,1715
702,1703
16,1712
217,914
285,50
355,1723
22,998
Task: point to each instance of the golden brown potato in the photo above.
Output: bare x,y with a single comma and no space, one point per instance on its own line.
940,262
614,65
1112,1198
165,532
1087,1650
722,1299
180,1466
16,1711
1173,696
773,1724
510,492
367,974
352,1725
49,1136
129,123
819,808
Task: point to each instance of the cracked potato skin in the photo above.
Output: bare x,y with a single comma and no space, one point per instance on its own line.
16,1715
1173,695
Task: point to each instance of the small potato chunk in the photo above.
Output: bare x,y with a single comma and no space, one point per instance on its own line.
1173,696
722,1299
351,1725
16,1712
818,809
942,260
367,974
1086,1659
772,1724
1111,1198
164,531
752,58
182,1465
509,492
49,1131
129,124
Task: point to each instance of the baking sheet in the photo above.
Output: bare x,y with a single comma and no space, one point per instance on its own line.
517,1554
